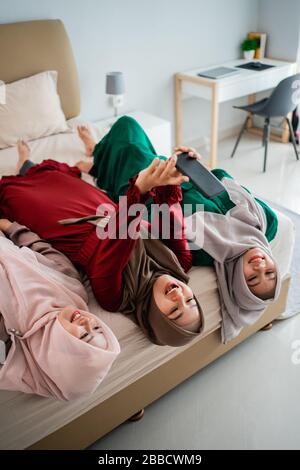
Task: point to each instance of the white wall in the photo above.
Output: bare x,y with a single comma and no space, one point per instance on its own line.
281,21
149,40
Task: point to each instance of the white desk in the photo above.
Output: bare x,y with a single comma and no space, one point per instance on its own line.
244,83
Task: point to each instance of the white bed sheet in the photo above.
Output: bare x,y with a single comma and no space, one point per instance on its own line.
65,147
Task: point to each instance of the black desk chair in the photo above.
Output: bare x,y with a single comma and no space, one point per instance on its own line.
282,101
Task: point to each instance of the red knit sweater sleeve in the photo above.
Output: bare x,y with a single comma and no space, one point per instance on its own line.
174,237
112,254
105,270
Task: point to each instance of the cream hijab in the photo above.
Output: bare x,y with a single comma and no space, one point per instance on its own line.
150,259
226,238
44,358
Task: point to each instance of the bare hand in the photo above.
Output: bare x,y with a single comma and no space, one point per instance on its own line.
190,150
5,225
193,154
159,173
83,166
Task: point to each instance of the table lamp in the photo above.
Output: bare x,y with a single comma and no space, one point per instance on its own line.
115,86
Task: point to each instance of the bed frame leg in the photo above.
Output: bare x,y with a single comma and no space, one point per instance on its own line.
137,416
267,327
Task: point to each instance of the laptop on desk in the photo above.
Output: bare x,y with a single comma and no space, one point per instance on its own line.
218,72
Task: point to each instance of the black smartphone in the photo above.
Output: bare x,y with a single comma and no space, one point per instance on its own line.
205,181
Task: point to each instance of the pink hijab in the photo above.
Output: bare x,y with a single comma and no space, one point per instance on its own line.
44,358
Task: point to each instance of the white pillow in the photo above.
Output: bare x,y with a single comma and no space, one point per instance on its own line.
32,109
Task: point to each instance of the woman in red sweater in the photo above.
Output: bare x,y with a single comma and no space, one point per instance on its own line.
141,277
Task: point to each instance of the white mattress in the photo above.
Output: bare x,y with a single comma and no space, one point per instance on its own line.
28,418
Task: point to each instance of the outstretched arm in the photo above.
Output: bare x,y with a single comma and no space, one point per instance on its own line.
176,240
22,236
165,178
111,257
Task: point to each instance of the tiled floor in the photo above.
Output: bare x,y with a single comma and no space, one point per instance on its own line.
280,183
249,398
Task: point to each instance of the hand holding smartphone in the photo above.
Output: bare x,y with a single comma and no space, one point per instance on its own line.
205,181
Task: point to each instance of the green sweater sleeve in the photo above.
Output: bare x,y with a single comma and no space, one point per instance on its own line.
201,258
220,174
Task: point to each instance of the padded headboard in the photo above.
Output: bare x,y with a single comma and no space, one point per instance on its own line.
30,47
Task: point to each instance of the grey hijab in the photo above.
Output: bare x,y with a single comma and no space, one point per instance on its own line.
226,238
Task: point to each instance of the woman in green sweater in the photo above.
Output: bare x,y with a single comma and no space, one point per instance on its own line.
126,150
236,227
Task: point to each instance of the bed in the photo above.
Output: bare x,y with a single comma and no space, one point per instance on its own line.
143,372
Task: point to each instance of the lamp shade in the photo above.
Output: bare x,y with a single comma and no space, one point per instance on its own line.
115,84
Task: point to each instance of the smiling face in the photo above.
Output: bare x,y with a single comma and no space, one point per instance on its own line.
260,273
175,300
79,323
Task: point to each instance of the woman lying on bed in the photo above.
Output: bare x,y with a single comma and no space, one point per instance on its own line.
54,346
237,227
136,276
